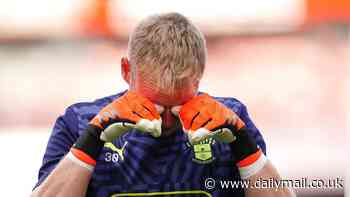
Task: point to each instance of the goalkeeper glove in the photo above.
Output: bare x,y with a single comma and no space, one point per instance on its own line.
128,111
203,117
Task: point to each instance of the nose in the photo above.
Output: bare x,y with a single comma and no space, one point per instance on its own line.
168,118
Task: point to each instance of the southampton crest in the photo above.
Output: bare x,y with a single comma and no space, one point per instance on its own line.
203,153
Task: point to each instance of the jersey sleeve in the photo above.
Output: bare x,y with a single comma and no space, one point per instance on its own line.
255,133
63,136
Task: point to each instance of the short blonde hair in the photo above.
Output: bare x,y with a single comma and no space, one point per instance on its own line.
170,47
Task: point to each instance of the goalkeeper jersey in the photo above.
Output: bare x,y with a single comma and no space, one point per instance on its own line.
137,164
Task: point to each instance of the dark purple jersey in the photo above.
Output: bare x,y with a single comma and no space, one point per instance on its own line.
138,164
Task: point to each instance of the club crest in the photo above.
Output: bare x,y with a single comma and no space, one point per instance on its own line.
203,153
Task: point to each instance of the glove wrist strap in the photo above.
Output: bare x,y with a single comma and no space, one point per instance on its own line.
248,157
252,164
244,145
88,146
79,161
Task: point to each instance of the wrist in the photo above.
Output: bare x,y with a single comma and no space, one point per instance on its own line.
243,145
252,164
248,156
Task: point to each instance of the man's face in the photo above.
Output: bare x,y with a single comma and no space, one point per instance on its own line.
147,87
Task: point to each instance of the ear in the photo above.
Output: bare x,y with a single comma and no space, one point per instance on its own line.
196,84
125,69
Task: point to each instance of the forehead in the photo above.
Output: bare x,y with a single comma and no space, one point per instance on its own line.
165,96
169,100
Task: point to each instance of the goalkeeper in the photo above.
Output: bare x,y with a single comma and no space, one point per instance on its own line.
161,137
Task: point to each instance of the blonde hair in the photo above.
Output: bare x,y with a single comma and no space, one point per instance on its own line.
169,47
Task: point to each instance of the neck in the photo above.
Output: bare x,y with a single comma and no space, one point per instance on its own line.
168,132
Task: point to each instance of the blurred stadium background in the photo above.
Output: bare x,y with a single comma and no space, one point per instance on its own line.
286,60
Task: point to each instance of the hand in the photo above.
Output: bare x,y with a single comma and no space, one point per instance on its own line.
204,117
128,111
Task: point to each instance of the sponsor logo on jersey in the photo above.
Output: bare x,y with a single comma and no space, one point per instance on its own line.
117,154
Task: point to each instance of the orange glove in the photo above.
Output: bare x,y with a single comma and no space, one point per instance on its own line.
204,117
129,111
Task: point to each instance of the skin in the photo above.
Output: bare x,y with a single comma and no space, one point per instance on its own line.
267,172
143,85
69,179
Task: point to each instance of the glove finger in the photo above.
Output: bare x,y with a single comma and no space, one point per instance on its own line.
115,130
148,119
153,127
136,108
221,116
176,110
190,109
224,135
124,112
141,111
155,110
106,116
210,117
142,105
205,131
200,120
216,121
187,116
224,131
159,108
194,137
